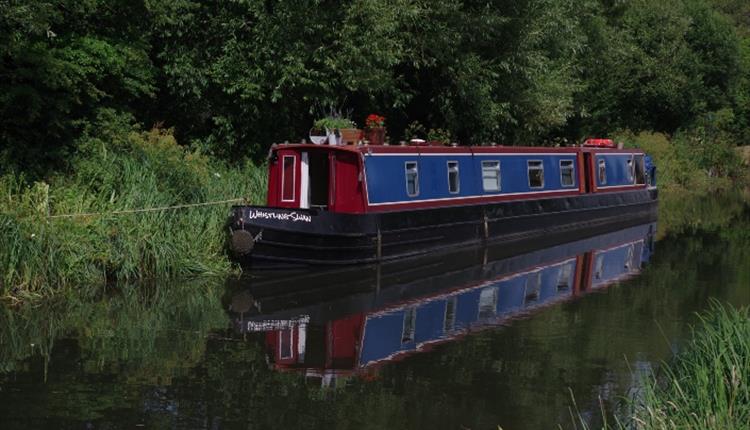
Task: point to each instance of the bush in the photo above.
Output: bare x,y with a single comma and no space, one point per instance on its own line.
695,160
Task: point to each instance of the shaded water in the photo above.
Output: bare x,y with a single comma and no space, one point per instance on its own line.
475,339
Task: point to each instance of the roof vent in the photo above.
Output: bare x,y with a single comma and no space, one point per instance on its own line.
599,143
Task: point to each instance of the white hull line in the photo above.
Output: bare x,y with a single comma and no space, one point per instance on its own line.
621,186
529,193
483,154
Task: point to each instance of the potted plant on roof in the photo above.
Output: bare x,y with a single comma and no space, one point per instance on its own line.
375,129
439,136
338,130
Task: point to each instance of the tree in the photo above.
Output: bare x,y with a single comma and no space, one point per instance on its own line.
60,62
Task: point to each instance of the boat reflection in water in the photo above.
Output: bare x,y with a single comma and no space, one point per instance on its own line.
338,323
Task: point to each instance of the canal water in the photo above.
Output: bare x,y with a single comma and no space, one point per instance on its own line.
528,336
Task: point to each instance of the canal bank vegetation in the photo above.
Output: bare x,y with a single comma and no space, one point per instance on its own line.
161,104
150,332
705,386
695,161
85,225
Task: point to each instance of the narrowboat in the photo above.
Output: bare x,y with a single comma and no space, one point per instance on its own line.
403,310
349,204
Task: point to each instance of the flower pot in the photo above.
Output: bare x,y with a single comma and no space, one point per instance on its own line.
317,136
376,135
334,137
350,136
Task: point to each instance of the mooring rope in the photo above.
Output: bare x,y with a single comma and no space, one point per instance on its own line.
133,211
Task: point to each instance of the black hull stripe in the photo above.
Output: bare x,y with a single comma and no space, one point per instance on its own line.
400,237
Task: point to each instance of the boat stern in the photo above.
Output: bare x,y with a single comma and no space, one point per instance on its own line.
260,235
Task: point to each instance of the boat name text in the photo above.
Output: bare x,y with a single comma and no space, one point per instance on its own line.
281,216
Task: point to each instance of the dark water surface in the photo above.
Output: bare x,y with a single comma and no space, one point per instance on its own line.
471,339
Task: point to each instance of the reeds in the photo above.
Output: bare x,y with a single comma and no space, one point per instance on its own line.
123,169
706,386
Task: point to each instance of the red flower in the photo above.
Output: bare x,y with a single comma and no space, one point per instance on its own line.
374,121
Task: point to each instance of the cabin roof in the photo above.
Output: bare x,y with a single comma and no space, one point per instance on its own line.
413,149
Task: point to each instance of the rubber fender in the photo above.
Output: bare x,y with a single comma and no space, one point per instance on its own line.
242,242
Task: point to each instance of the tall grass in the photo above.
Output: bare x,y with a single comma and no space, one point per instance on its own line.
118,167
706,386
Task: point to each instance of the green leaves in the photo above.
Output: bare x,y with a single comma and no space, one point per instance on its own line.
234,77
60,63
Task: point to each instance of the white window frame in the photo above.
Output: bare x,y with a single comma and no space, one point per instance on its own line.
628,266
294,177
458,176
528,173
533,283
601,164
572,173
487,306
492,166
599,267
408,331
631,169
639,162
407,170
449,320
563,276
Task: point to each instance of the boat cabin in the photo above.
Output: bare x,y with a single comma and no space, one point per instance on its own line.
368,178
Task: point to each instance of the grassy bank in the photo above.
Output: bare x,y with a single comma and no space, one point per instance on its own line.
708,384
705,386
119,167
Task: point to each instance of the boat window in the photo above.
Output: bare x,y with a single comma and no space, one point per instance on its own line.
450,314
536,173
453,179
533,287
288,177
285,343
598,267
412,179
410,323
491,175
487,302
640,171
566,173
629,258
563,280
630,169
602,172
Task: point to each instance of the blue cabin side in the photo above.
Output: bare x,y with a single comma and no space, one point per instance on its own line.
409,327
617,262
420,179
473,175
614,170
